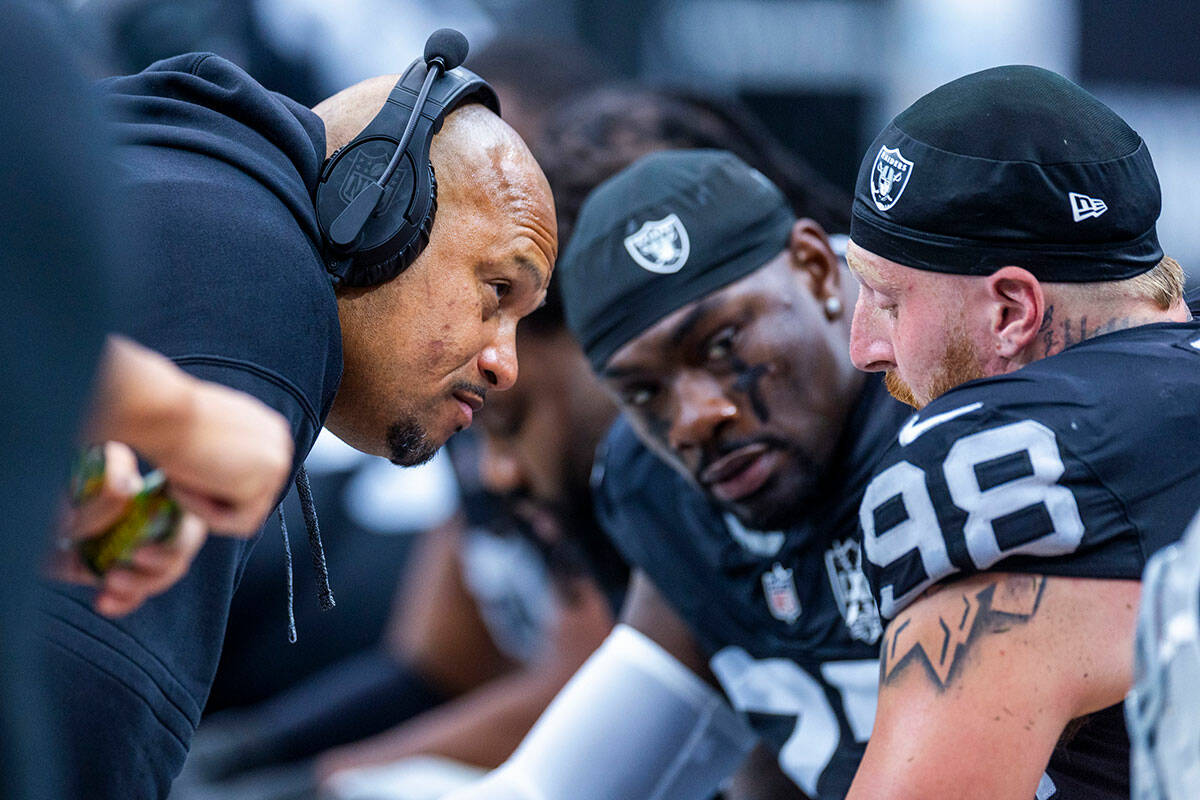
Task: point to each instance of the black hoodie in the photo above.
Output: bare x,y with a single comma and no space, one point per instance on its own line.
224,276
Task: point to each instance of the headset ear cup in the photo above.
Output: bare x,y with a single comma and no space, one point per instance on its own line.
405,258
420,241
393,265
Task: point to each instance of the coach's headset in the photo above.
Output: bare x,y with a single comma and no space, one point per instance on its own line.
377,196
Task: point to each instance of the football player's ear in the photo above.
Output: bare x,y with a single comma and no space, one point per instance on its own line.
1018,305
811,252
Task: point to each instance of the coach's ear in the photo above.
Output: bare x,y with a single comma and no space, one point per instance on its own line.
1017,308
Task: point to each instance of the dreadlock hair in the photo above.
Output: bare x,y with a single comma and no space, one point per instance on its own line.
605,130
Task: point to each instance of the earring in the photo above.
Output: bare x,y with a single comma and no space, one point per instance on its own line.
833,307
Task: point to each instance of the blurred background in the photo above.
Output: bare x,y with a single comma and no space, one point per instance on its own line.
824,75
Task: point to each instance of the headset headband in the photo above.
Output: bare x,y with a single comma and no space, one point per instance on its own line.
374,225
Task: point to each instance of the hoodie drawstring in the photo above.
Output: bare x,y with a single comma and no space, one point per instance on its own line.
315,547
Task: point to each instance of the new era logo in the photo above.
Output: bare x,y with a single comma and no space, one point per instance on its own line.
1083,206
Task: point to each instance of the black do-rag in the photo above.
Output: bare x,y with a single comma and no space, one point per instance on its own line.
669,229
1011,165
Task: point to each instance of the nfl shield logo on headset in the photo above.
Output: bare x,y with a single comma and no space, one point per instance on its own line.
889,176
367,167
660,245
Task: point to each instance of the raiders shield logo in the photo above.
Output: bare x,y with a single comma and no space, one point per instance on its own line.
779,586
889,176
660,245
367,165
852,592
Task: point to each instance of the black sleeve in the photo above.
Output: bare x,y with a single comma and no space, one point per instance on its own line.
226,286
663,526
986,488
622,471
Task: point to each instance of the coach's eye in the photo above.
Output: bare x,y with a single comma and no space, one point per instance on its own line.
502,288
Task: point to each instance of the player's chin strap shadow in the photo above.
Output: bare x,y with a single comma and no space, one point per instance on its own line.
315,547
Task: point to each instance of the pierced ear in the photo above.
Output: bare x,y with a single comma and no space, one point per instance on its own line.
1018,304
812,254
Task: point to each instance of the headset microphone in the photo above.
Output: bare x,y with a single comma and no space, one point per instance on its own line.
380,220
447,46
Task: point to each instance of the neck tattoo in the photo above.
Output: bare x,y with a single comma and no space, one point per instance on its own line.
1057,335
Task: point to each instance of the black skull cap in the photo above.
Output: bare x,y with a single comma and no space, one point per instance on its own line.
1013,165
674,226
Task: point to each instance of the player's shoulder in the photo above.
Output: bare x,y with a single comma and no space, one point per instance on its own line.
628,480
1128,381
1068,466
624,464
643,503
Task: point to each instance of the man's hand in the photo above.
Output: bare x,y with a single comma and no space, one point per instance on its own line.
226,454
229,460
155,567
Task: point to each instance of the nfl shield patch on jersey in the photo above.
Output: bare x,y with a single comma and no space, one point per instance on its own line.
779,586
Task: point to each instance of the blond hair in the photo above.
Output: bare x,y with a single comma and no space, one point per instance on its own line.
1162,285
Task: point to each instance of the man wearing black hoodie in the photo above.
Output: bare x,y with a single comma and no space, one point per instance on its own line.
230,282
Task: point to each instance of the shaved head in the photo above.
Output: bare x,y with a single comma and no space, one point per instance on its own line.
476,153
421,351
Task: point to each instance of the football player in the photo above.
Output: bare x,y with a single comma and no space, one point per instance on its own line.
1014,290
1163,708
718,321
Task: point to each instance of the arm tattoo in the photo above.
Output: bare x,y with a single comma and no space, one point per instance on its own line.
1004,602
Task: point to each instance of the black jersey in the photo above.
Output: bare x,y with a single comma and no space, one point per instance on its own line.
1081,464
785,616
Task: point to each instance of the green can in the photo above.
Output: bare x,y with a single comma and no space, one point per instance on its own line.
150,516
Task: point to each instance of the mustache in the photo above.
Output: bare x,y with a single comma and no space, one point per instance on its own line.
899,389
472,388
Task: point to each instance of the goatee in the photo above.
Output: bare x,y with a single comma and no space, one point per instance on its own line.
409,444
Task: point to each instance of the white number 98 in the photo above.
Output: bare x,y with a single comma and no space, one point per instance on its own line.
1028,451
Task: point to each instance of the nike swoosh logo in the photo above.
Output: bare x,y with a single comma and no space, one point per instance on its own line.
912,429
